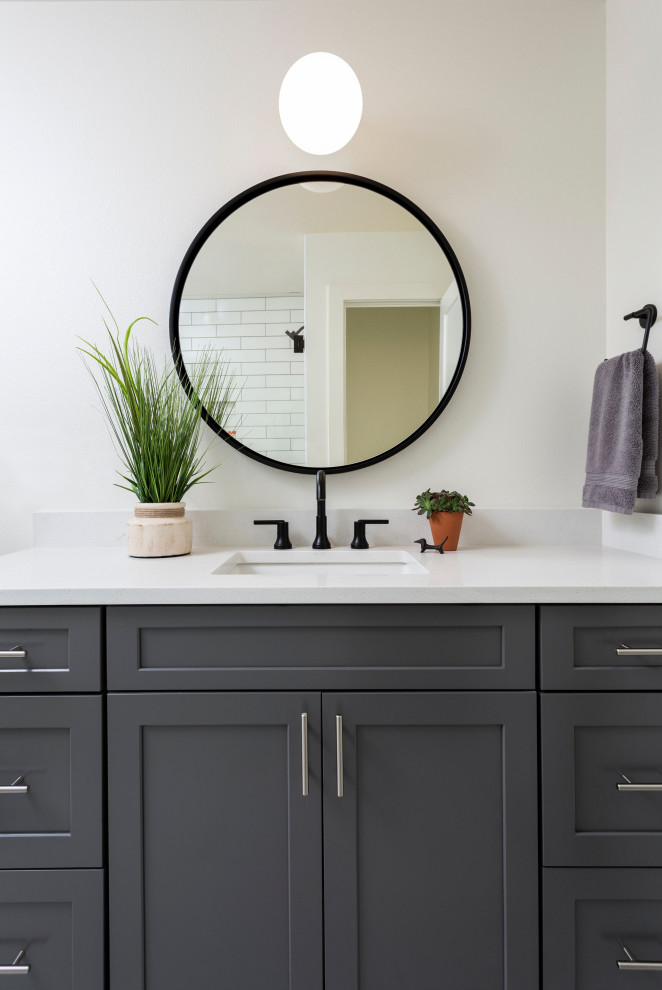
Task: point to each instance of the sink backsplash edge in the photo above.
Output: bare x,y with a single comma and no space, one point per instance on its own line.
234,527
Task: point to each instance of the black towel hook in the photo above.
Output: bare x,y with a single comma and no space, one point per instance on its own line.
647,316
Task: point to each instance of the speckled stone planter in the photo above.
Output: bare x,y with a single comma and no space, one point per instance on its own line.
159,529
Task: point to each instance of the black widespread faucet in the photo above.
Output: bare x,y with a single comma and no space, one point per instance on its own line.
321,541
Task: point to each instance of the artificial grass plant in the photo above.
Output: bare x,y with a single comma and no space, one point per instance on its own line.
156,426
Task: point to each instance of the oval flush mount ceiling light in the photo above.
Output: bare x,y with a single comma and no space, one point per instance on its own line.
320,103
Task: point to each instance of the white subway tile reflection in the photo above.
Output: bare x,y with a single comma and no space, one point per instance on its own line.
251,331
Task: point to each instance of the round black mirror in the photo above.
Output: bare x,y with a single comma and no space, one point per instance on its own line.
342,310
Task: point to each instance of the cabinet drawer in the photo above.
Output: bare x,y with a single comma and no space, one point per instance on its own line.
50,649
56,917
579,647
592,919
304,647
602,779
50,750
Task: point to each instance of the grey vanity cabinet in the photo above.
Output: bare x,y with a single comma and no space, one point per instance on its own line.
423,874
601,783
51,799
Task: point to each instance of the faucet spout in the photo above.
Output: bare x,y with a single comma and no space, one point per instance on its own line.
321,541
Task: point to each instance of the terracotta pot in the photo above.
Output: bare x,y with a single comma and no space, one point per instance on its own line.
446,524
159,529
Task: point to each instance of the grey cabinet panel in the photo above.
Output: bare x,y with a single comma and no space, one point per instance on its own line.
215,853
588,918
317,647
62,647
590,744
578,645
54,743
57,918
430,855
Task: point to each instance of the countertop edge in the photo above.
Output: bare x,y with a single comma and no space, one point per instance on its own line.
334,596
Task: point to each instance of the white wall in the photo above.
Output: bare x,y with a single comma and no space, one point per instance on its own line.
125,125
634,180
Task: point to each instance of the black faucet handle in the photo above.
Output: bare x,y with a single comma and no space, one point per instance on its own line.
282,532
360,542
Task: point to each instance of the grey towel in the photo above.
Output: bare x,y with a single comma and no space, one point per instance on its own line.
622,434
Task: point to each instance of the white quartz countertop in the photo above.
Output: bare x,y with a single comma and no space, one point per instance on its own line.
107,576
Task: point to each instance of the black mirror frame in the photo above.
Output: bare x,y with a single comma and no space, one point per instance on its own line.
292,178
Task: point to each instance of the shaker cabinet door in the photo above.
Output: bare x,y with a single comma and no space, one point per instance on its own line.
215,875
430,841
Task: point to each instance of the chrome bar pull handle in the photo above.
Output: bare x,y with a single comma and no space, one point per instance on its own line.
632,965
639,967
304,754
16,653
627,651
18,787
15,969
340,775
642,788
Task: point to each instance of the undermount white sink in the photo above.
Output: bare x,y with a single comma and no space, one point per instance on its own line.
274,563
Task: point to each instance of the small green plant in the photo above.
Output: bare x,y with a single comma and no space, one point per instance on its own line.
155,424
428,502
